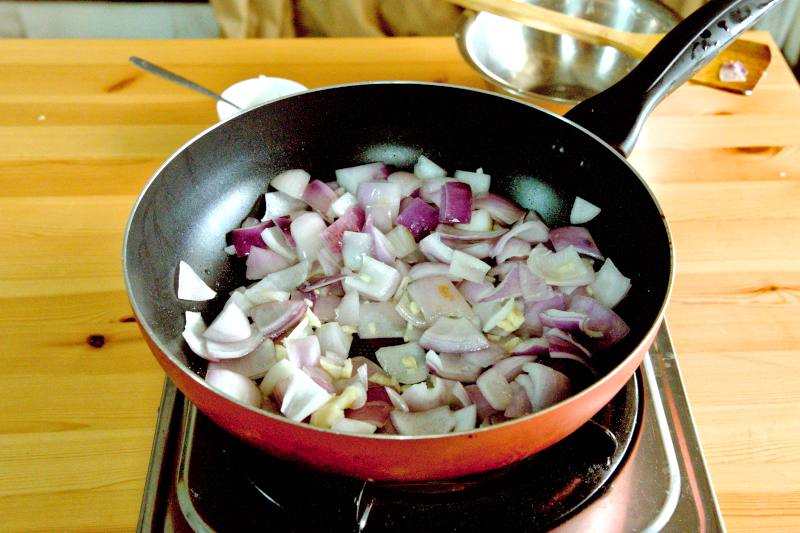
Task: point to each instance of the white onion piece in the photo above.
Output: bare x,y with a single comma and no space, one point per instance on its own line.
348,425
495,389
514,248
563,268
466,418
332,338
354,247
421,397
234,385
343,204
434,422
351,177
278,204
405,362
280,371
436,297
261,262
307,234
263,292
467,267
303,396
454,335
304,351
291,182
191,287
479,221
253,365
380,193
478,182
288,279
412,333
347,312
434,249
531,231
380,320
502,209
193,334
402,241
427,169
547,386
430,269
230,325
276,241
397,400
576,236
375,280
407,181
610,286
582,211
230,350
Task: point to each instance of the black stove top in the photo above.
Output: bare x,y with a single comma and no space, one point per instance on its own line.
636,466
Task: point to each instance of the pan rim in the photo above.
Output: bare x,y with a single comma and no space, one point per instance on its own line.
640,346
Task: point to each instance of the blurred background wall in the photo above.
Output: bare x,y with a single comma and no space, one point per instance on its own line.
284,18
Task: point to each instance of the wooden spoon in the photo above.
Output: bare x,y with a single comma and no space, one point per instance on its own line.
754,56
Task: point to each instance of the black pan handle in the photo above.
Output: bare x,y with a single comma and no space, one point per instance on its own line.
616,115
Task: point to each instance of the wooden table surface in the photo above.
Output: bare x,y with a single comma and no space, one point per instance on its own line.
81,131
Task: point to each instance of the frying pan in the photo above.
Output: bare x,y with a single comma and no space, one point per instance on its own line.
537,158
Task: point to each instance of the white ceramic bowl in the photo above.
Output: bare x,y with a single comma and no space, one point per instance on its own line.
255,91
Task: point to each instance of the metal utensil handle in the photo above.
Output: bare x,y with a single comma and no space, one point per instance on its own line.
616,115
171,76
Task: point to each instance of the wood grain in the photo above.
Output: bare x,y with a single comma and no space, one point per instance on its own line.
81,131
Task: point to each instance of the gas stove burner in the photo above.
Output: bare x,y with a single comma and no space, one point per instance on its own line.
636,464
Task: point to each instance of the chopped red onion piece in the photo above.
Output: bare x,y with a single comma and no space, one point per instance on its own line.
377,393
467,267
610,286
402,240
510,287
231,350
427,169
437,297
375,413
352,220
351,177
495,388
569,321
420,397
320,197
575,236
431,190
531,231
453,233
277,241
380,320
381,193
349,425
343,204
253,365
465,418
191,287
321,378
234,385
482,405
500,208
405,362
455,335
545,386
291,182
230,325
480,220
319,282
193,334
302,397
287,279
475,292
304,351
534,288
514,249
457,393
375,280
435,250
434,422
478,182
561,342
395,398
244,238
419,217
354,247
537,346
325,307
332,338
407,181
430,269
280,371
348,311
511,367
261,262
382,249
602,325
452,366
563,268
519,405
456,203
481,250
485,358
533,324
410,312
274,318
380,215
582,211
278,204
307,230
